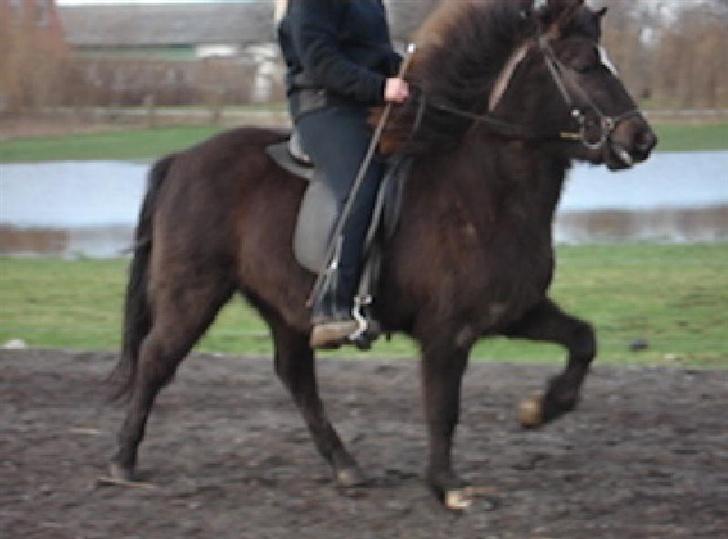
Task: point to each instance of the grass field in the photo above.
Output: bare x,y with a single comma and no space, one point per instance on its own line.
151,143
674,297
685,137
118,145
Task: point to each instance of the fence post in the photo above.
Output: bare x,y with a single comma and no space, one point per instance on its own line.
150,105
216,105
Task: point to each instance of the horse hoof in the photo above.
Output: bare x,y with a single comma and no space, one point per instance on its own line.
121,473
530,412
350,478
458,500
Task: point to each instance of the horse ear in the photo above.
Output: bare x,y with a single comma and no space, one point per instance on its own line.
598,18
556,14
554,8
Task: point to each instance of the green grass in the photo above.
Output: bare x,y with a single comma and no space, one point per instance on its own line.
675,297
151,143
684,138
136,144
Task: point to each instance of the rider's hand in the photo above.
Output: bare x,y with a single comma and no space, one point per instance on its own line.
396,90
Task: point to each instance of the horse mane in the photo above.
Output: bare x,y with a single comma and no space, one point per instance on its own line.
462,49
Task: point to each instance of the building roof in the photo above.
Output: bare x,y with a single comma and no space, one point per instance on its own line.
406,16
167,24
249,22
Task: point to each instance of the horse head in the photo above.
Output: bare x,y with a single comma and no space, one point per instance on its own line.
520,69
565,82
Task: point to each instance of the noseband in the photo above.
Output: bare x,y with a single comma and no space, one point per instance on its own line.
563,78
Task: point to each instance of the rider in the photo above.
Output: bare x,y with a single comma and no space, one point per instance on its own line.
340,62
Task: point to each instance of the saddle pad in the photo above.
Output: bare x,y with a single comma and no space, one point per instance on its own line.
281,154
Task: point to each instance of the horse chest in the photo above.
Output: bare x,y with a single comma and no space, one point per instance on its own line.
482,260
514,275
516,286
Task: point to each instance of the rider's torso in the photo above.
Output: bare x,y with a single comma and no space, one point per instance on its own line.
362,37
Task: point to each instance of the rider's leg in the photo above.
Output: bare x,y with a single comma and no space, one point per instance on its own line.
337,139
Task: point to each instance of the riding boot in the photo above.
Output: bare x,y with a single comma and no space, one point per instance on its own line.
333,322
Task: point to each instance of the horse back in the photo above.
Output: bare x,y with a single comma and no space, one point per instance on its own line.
227,211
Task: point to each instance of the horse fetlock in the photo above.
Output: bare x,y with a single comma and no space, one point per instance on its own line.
560,399
451,490
565,388
347,472
121,472
557,404
350,476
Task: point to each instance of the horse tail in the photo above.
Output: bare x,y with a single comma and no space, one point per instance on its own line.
137,311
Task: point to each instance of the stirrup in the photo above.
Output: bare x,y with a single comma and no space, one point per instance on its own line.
356,311
368,329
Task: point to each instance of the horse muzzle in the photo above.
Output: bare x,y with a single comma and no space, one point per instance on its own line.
631,142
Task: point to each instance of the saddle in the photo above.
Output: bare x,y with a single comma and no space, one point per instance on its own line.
317,219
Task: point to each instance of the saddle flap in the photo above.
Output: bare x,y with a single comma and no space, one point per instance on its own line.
318,214
316,222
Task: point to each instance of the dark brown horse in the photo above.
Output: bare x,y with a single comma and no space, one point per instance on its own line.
472,256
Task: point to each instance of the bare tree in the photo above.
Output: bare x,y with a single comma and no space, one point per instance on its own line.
406,16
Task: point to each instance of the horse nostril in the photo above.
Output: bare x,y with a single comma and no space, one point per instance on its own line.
645,141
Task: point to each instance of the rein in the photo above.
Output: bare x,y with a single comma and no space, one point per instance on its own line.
558,72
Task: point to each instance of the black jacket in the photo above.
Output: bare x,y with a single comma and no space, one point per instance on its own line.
341,46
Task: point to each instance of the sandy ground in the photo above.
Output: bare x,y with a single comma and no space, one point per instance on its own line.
227,455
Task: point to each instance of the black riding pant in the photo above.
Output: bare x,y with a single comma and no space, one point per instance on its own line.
337,138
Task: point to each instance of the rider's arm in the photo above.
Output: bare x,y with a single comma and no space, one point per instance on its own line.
314,25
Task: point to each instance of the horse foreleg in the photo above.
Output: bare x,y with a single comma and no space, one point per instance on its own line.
295,366
546,322
442,371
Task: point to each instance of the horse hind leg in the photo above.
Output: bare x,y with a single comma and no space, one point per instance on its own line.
181,315
295,366
548,323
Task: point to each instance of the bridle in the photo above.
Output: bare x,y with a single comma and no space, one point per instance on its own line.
560,74
563,77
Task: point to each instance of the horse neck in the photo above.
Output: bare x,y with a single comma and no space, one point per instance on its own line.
511,181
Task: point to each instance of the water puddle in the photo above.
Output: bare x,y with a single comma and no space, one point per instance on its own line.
76,209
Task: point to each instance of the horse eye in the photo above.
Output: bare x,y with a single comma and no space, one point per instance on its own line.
583,62
587,68
586,64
